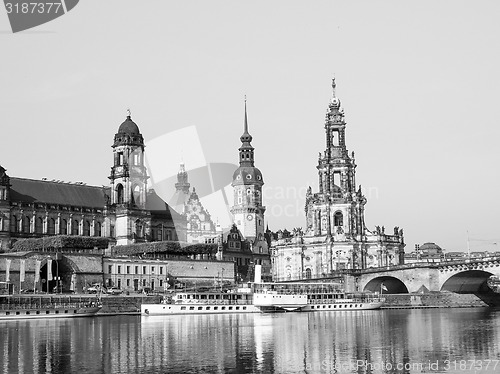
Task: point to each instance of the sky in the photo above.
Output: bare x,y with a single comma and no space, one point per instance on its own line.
418,82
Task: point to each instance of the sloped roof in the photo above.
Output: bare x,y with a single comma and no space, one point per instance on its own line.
39,191
157,206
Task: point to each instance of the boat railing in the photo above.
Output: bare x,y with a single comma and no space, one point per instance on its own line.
213,302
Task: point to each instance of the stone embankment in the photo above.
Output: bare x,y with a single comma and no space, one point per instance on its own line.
113,305
440,300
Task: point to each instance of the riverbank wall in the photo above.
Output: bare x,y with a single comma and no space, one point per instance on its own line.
440,300
114,305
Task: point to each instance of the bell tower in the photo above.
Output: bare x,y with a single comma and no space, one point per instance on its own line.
129,183
248,211
337,211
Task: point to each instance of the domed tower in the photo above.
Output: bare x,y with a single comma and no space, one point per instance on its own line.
128,174
248,212
129,184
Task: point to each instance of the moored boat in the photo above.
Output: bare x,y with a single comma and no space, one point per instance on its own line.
332,297
206,302
265,297
14,308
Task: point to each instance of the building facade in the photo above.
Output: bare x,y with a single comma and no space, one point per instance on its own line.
336,236
126,211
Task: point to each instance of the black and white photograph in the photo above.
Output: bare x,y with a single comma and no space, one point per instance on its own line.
216,186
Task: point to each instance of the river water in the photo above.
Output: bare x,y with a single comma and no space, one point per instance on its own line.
383,341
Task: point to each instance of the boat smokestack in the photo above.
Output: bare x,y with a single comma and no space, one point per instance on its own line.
258,274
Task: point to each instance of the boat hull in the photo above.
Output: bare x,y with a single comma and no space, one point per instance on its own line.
34,313
342,307
174,309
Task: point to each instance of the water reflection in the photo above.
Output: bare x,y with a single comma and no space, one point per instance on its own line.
399,341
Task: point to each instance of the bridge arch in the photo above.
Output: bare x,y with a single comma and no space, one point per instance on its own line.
393,285
469,281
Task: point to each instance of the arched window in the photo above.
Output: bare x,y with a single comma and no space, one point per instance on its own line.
51,226
308,273
26,225
64,227
97,229
136,194
39,225
75,230
119,194
86,228
13,224
338,219
138,229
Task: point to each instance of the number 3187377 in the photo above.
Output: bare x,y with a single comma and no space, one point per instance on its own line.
33,8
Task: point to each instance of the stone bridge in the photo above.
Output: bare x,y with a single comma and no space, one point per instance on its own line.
466,276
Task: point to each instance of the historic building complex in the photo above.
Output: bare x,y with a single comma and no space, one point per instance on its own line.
336,236
93,234
126,211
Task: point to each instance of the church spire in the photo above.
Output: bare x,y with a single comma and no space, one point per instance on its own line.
246,149
246,137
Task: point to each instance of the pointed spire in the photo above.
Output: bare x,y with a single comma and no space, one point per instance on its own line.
246,120
246,137
335,101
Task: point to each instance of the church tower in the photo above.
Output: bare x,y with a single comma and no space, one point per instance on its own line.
248,212
337,211
129,183
182,184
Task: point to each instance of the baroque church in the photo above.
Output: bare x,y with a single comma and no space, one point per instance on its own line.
126,211
336,236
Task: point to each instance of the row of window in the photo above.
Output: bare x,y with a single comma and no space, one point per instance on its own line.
28,312
127,269
335,306
135,283
214,308
136,159
66,227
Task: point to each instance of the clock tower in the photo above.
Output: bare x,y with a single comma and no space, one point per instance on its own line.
247,211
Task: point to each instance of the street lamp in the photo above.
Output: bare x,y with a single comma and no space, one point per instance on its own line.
222,279
57,275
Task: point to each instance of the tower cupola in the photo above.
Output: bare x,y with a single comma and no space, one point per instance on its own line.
128,133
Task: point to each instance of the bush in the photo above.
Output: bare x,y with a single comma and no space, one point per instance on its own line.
169,247
52,243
